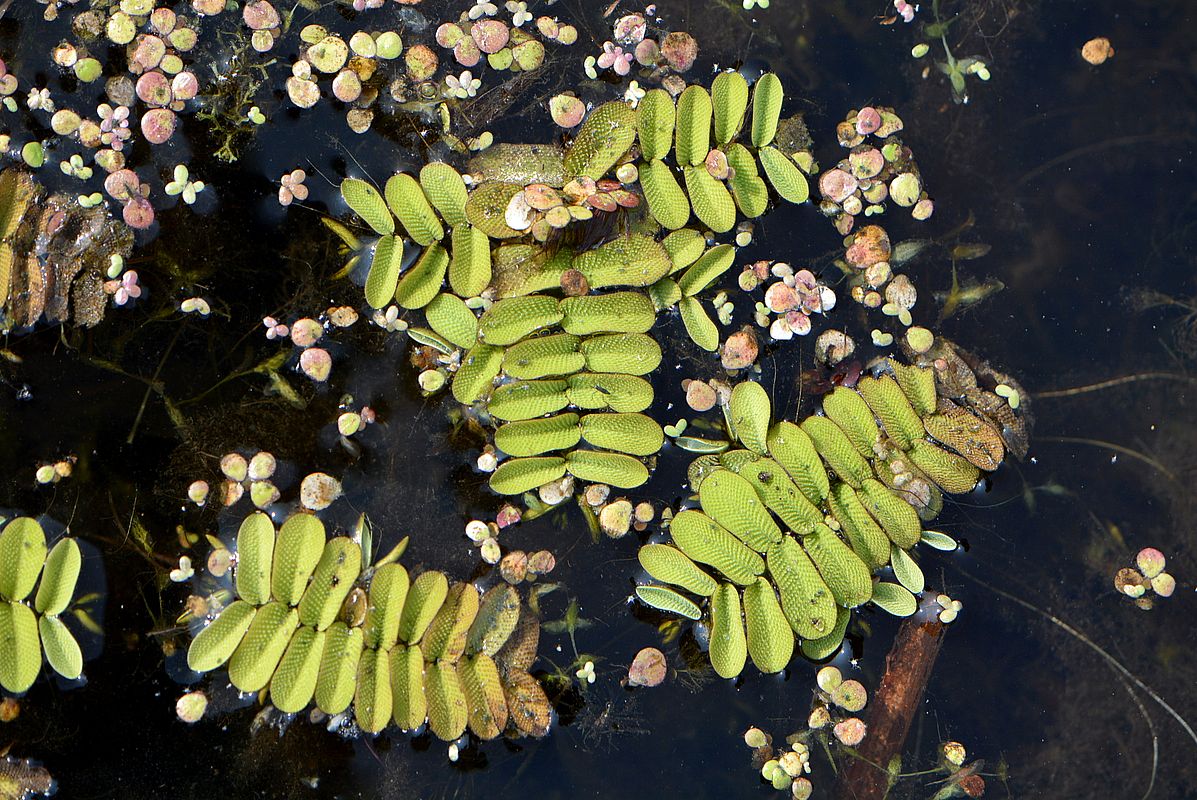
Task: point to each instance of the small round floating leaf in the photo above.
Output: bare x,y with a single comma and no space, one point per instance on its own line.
446,190
470,267
544,356
747,189
255,659
767,97
693,126
534,437
294,682
372,698
667,202
617,312
826,646
446,636
733,503
448,713
627,393
953,473
338,569
634,434
898,518
699,326
669,601
655,124
684,247
624,353
407,202
751,413
632,260
775,489
529,708
729,645
607,133
509,320
791,447
62,651
784,175
297,550
895,599
836,449
708,542
670,565
806,600
477,372
498,614
408,699
848,578
424,599
940,541
616,469
707,269
424,280
710,199
729,97
255,555
770,639
449,316
906,570
20,650
867,538
367,203
847,409
918,384
59,578
486,209
215,644
337,678
897,416
484,696
528,399
22,553
388,593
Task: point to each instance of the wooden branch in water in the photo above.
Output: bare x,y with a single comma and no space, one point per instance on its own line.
894,705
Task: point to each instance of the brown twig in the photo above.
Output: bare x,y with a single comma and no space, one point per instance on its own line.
894,705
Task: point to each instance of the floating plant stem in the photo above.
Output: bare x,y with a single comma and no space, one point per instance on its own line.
1113,382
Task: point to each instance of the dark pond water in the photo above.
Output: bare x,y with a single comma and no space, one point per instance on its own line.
1080,179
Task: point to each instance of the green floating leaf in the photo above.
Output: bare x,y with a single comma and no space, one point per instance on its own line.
770,639
486,209
775,489
424,599
667,202
784,175
446,636
535,437
747,189
953,473
448,714
616,469
826,646
867,538
895,599
848,578
477,372
887,401
484,696
498,615
214,644
424,280
519,475
22,553
508,321
255,659
339,567
470,267
899,519
906,570
694,444
528,399
445,188
940,541
791,447
407,202
693,126
21,654
367,203
530,711
544,356
337,679
669,601
408,698
684,247
666,294
707,269
624,353
633,260
62,651
450,317
918,384
634,434
297,550
59,577
699,325
729,96
255,555
767,97
751,414
835,448
732,502
616,312
294,682
712,203
847,409
388,593
655,125
806,600
670,565
373,698
625,393
729,645
708,542
607,133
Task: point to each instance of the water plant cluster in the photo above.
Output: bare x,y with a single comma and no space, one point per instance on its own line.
310,621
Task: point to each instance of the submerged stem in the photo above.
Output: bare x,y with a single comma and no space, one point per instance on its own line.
1112,382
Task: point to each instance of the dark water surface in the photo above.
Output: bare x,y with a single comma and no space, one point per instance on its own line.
1080,178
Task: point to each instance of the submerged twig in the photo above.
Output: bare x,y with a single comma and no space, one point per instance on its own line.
1146,459
1112,382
